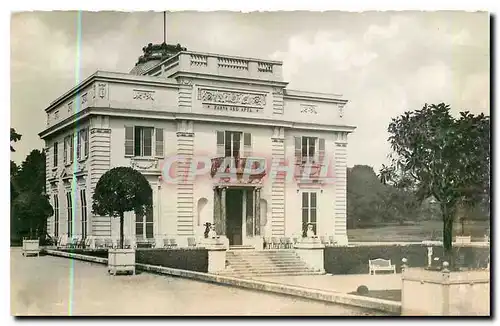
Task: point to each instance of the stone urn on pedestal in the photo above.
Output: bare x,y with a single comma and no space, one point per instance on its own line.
31,247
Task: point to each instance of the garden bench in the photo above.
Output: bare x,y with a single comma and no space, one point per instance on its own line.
380,264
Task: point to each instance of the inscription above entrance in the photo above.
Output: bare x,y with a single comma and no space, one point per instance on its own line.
222,100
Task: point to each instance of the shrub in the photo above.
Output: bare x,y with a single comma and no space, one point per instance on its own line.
195,259
362,289
354,260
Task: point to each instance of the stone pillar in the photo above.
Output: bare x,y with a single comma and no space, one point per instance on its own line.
216,257
217,211
257,211
223,211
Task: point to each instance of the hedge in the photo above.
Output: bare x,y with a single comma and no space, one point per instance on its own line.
354,260
189,259
195,259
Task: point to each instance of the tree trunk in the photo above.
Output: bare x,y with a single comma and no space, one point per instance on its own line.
448,234
462,220
121,230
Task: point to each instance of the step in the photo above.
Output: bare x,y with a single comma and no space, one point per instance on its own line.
250,275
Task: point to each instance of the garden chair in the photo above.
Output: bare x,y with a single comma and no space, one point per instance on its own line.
274,242
323,240
266,242
288,242
166,243
295,240
282,243
191,242
99,243
173,242
108,243
127,244
332,242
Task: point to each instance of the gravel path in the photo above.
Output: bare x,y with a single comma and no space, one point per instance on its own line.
41,286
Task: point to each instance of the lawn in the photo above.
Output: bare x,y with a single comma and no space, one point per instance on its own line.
426,230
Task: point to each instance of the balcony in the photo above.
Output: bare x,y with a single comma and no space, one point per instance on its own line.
312,172
238,170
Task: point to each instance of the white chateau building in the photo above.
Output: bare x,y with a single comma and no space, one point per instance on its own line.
174,118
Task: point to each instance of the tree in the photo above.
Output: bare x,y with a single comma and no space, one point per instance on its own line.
120,190
29,203
442,156
14,137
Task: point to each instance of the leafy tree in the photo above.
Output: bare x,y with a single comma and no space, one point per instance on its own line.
30,211
442,156
120,190
14,137
365,197
29,203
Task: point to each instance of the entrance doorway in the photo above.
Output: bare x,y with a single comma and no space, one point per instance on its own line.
234,216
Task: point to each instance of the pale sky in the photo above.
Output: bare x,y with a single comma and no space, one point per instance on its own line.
384,63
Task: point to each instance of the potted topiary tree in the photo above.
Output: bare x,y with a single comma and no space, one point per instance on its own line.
120,190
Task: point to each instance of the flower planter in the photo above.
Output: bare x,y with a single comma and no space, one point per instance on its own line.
121,261
464,293
462,239
31,247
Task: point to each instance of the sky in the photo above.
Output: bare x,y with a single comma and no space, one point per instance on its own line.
384,63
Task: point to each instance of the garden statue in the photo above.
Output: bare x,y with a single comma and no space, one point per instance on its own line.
310,232
212,234
207,229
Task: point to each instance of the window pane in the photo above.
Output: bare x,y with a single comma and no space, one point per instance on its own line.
305,199
137,141
313,215
313,199
247,139
220,137
149,230
148,141
139,230
227,144
236,144
149,215
304,146
138,218
312,146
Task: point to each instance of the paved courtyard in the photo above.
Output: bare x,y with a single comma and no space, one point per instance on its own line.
57,286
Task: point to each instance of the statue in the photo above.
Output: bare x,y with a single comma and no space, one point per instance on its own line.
310,232
207,229
212,234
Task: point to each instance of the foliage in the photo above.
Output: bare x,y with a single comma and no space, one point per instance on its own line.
14,137
354,260
30,213
437,155
30,207
119,190
195,259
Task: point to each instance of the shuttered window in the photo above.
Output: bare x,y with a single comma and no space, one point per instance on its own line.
56,215
71,147
247,144
79,144
129,141
86,142
69,206
159,142
220,143
321,150
83,206
56,154
65,150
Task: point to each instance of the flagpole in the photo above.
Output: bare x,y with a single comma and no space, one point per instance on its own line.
164,27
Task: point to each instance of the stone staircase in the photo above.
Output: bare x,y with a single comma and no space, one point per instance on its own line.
248,263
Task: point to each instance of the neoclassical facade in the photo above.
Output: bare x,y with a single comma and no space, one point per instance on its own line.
220,139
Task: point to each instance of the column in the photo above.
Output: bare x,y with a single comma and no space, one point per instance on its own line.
223,211
217,211
257,211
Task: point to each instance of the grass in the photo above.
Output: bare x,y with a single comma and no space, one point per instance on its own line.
392,295
426,230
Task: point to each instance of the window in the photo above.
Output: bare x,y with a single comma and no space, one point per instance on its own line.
56,216
144,225
309,149
82,145
139,141
70,213
309,210
68,149
83,204
56,156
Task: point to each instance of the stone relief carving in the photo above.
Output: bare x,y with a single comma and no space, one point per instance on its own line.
84,99
231,97
307,108
278,91
341,110
70,106
102,90
144,95
144,164
185,81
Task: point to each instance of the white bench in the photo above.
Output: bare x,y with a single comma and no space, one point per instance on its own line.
380,264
